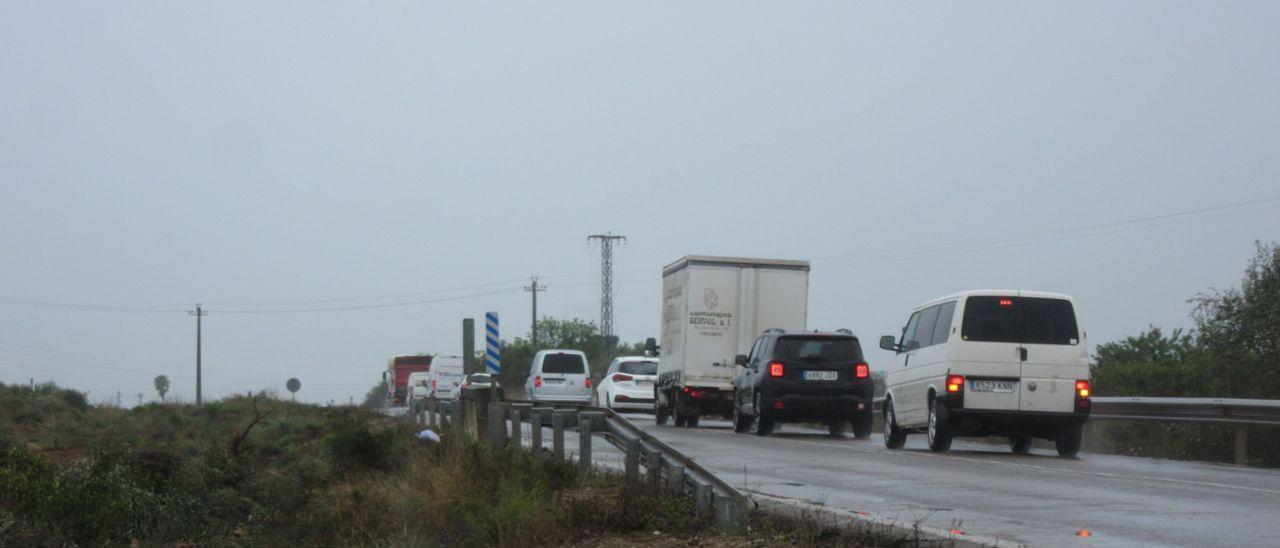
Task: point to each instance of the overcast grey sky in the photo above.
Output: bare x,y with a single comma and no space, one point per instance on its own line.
161,153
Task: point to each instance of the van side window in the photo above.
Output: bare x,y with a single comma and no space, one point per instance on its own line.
942,331
924,331
909,332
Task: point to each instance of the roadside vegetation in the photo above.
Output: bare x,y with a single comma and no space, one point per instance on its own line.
1232,352
269,472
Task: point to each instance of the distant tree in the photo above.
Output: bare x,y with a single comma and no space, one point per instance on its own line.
376,397
1152,364
162,386
1240,328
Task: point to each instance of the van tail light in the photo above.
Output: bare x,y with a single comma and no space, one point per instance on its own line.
955,384
1083,389
776,369
861,371
537,382
588,382
622,377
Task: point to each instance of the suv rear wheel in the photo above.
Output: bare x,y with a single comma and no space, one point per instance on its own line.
741,423
939,432
762,422
862,425
894,436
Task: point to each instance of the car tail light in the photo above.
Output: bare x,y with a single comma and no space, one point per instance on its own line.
433,385
1083,389
621,377
955,384
861,371
537,382
776,369
588,382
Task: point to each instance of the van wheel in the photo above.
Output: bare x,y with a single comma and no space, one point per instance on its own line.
894,436
862,425
1020,444
939,433
837,427
741,423
762,423
1068,441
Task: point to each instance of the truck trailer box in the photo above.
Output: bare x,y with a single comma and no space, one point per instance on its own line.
714,308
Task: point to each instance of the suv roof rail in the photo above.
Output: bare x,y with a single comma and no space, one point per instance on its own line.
775,330
844,330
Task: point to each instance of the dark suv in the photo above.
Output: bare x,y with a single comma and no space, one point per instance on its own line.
803,377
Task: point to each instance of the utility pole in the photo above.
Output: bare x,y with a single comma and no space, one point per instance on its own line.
198,313
606,285
534,288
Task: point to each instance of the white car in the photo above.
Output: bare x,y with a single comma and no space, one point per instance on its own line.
559,376
628,384
989,363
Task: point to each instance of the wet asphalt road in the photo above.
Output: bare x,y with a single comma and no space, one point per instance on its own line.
1037,499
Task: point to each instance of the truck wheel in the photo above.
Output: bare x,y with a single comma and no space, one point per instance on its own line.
741,423
837,427
939,432
1020,444
894,436
862,424
691,421
659,412
762,422
1068,441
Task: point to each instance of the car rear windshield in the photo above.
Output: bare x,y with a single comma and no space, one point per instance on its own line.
818,349
480,379
638,368
563,363
1025,320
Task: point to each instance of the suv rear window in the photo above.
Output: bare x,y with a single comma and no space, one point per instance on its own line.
563,363
1026,320
638,368
818,349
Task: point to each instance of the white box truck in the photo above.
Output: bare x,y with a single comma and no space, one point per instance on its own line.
714,308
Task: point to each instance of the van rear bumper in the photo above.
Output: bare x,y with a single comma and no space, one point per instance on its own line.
986,422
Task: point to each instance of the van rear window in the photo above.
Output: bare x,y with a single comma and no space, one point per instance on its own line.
818,349
563,363
1024,320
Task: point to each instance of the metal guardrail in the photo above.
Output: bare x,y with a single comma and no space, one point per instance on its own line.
1201,410
667,468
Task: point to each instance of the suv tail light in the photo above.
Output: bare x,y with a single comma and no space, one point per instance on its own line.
955,384
776,369
621,377
537,382
861,371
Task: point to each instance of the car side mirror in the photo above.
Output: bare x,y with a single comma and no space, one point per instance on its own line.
651,346
740,360
887,343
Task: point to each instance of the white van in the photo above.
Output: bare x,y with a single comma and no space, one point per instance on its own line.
559,376
989,363
419,386
446,376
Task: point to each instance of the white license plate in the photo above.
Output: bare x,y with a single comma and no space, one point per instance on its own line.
991,386
820,375
554,381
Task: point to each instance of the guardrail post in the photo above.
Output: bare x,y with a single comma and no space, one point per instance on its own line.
517,431
731,514
1242,444
584,444
495,425
557,434
433,413
653,463
675,479
702,495
535,431
633,461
